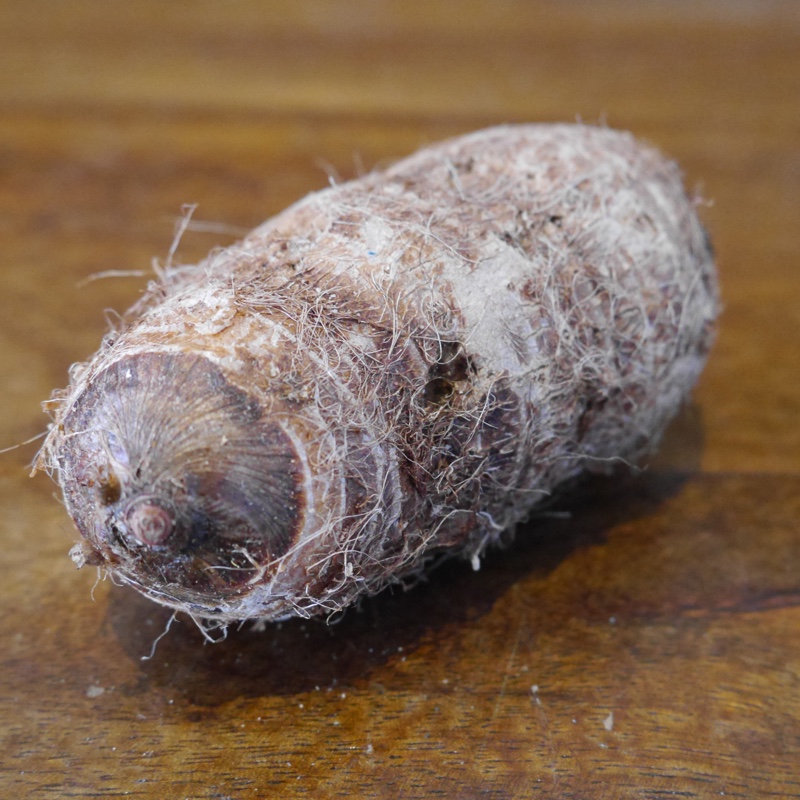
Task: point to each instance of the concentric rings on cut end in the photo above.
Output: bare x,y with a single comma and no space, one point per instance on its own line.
148,522
177,480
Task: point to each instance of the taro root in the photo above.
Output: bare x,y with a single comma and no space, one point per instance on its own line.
390,369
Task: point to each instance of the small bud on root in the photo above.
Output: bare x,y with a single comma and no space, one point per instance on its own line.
391,368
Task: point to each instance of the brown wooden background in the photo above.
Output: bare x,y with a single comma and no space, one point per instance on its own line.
648,646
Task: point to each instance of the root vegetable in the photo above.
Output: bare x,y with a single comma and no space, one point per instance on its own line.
392,368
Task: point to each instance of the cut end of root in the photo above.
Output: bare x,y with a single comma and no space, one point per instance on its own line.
177,480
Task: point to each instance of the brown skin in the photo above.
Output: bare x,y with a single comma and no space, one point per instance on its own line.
392,368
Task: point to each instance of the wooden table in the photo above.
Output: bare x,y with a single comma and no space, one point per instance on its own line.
646,646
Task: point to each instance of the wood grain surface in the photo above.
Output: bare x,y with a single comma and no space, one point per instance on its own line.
641,642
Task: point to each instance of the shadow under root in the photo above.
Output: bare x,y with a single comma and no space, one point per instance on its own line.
298,655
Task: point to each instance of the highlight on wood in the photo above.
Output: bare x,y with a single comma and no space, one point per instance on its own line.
392,368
